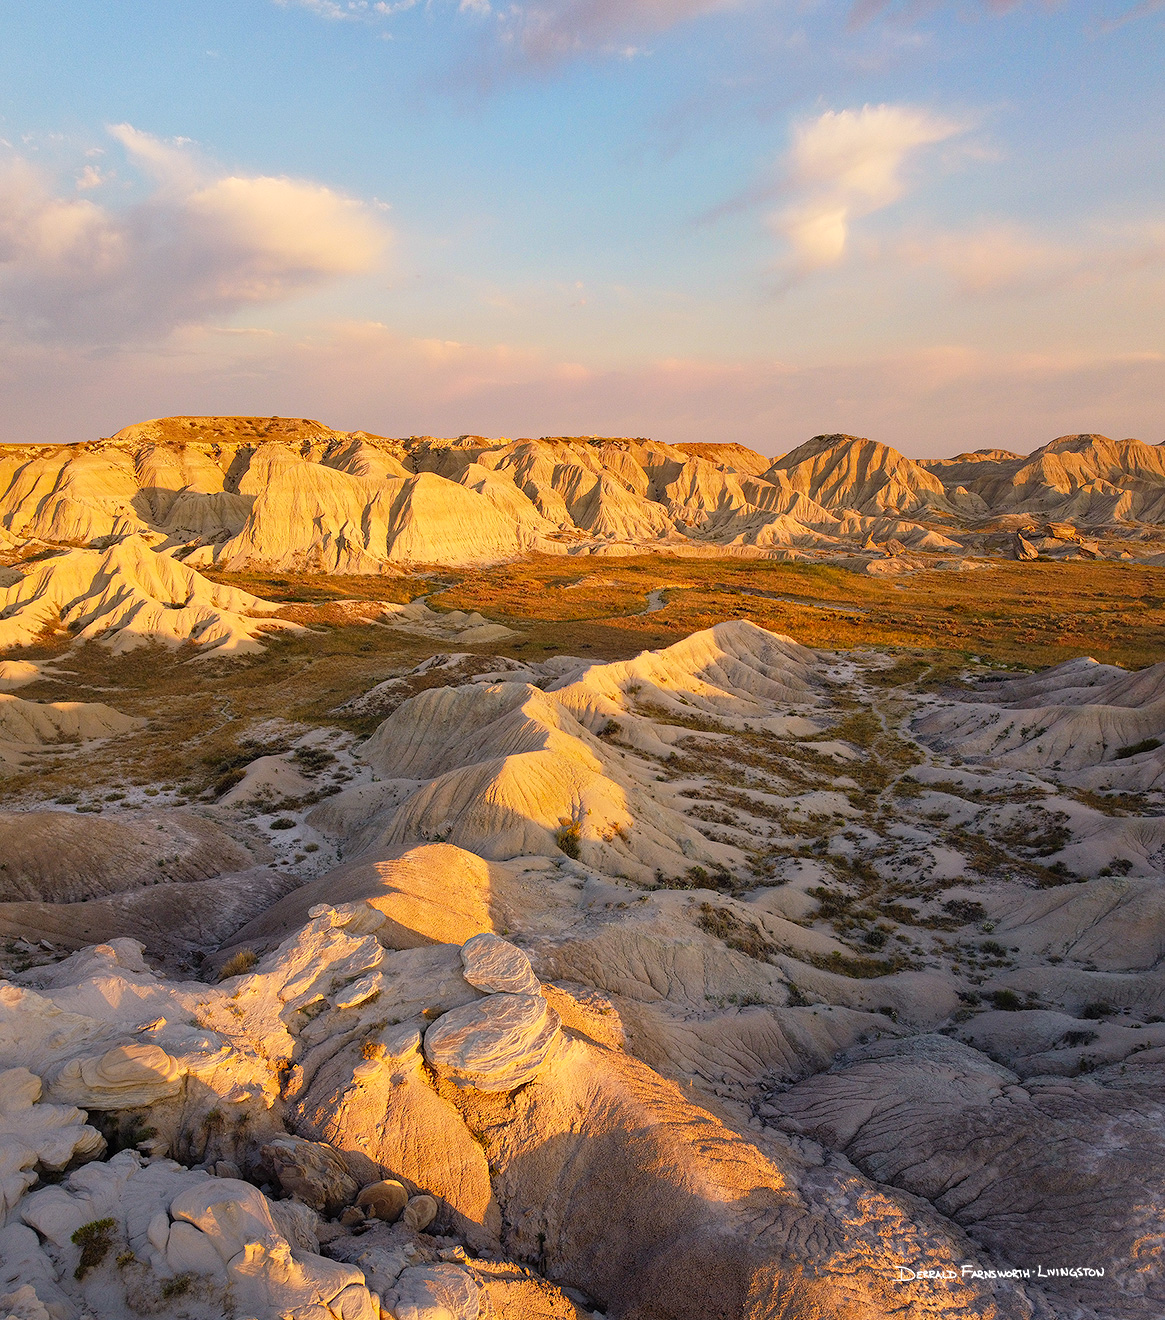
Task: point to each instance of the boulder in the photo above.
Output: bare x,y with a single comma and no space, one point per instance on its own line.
33,1134
497,1044
386,1199
312,1171
436,1292
420,1212
126,1077
387,1109
231,1213
495,965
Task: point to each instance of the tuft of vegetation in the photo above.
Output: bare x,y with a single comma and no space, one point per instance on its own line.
743,936
1071,1039
311,760
568,837
95,1240
238,963
1095,1010
1135,749
1007,1000
225,782
856,966
964,911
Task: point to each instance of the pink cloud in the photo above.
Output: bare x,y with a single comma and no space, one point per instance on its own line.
365,375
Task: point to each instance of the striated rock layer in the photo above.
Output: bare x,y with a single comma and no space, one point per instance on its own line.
294,494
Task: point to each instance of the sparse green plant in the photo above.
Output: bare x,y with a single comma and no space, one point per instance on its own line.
95,1240
743,936
1135,749
1071,1039
178,1286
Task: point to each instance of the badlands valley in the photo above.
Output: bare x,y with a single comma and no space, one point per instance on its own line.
553,879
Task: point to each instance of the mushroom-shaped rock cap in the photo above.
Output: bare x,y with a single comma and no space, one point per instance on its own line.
124,1077
495,1044
495,965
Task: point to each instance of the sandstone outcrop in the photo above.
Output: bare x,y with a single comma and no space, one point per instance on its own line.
127,596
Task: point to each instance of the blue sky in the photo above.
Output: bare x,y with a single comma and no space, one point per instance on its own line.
939,225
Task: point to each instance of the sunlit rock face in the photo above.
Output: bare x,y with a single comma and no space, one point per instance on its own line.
734,979
576,1139
293,494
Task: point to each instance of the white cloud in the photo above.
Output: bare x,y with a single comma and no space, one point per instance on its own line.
200,246
91,177
349,9
324,8
844,165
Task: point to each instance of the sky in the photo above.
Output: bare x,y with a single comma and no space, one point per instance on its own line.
940,225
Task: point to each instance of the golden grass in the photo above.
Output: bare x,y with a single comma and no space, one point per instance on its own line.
1031,614
203,714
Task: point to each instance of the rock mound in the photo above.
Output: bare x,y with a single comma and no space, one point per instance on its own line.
497,1044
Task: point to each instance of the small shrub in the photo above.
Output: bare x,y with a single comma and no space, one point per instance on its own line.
859,968
313,759
568,837
283,823
1097,1009
1135,749
1070,1039
178,1285
965,910
739,935
238,963
1007,1000
95,1240
311,847
225,782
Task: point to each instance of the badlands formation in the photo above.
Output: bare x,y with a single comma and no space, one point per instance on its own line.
734,978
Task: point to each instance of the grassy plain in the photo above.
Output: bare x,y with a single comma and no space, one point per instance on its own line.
204,713
1029,614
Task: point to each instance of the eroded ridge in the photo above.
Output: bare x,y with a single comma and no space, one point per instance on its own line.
729,980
